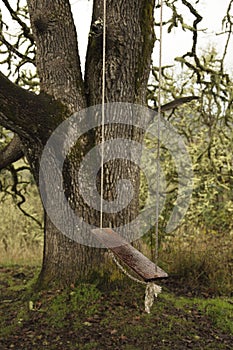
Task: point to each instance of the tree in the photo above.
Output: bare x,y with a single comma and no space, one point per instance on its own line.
33,116
63,91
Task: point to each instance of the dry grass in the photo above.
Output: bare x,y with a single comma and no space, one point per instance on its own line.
201,259
21,239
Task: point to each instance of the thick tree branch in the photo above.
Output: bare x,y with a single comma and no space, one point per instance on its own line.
11,153
27,114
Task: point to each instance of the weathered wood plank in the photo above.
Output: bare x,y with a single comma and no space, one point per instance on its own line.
134,259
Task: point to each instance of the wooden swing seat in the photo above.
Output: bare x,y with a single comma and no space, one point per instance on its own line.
129,255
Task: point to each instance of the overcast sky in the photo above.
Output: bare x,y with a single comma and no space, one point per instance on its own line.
176,43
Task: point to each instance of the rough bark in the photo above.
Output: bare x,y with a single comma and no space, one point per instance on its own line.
129,44
60,75
130,40
58,62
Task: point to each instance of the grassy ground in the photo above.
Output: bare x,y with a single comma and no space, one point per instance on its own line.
195,310
92,317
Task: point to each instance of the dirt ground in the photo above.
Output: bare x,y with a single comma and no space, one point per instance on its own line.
91,317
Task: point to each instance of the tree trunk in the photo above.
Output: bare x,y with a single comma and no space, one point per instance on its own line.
130,40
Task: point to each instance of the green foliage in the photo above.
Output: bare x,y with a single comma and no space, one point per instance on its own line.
206,128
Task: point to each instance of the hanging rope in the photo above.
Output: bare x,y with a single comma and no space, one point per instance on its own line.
155,254
103,116
152,289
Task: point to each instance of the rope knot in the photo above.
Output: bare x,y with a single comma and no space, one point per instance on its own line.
152,291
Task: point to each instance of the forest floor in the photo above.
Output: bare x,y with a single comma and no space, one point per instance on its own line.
93,317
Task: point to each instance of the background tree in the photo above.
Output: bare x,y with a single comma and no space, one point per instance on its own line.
206,128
